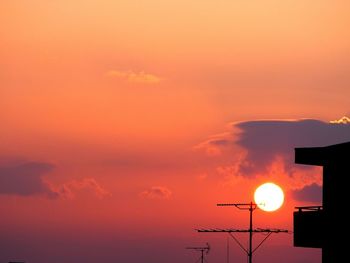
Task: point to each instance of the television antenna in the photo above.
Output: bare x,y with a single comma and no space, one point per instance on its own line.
250,250
202,250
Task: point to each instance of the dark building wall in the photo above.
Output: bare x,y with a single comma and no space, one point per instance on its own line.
335,160
308,228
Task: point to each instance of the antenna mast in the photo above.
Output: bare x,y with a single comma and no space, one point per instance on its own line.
202,250
250,207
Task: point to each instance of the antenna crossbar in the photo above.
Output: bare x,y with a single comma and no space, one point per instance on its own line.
241,206
257,230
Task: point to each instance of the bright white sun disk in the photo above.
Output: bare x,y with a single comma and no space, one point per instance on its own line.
269,197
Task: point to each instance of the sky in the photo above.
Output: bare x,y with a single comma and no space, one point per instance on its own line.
124,122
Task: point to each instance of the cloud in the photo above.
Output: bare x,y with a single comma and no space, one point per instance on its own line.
25,179
263,142
134,77
216,144
156,192
68,190
267,140
309,193
60,192
343,120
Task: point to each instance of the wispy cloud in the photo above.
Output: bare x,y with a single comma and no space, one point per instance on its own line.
156,192
215,145
134,77
70,189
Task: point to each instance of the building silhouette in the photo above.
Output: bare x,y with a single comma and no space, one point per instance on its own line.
326,226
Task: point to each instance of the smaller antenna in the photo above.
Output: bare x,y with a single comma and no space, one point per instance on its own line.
202,250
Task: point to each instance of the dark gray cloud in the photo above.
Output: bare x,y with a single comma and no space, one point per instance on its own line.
27,179
310,193
265,140
24,178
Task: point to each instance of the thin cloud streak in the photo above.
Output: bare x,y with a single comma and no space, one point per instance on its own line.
140,77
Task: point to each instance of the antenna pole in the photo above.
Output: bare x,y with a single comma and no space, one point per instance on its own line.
250,253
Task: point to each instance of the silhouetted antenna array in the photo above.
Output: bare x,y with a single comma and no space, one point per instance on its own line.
202,250
250,250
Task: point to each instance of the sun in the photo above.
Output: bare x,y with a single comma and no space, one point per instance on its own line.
269,197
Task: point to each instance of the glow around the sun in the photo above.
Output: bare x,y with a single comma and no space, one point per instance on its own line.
269,197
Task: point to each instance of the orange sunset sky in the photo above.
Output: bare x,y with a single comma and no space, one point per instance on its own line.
124,122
